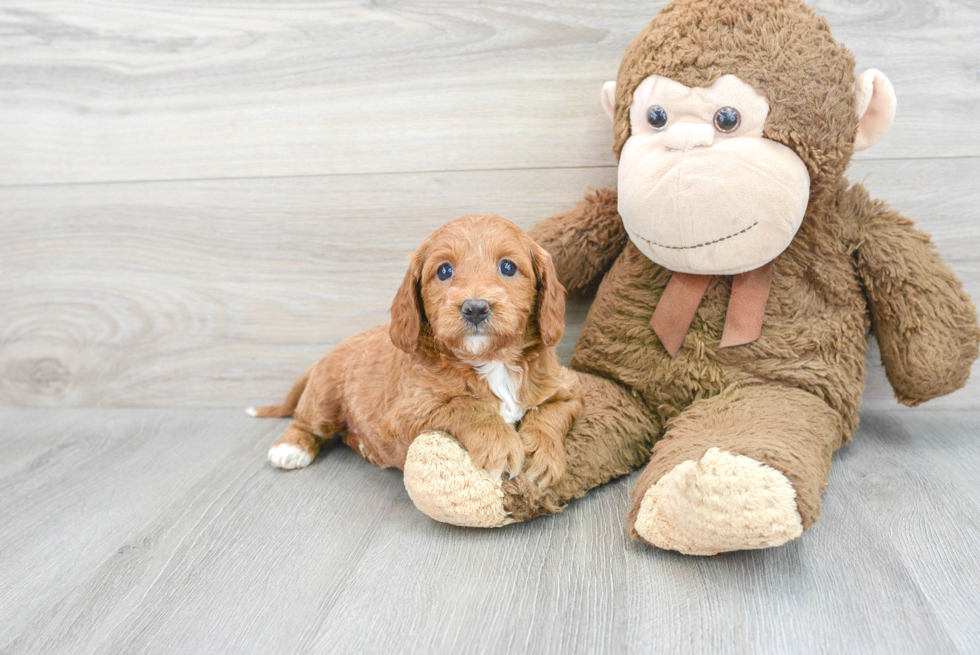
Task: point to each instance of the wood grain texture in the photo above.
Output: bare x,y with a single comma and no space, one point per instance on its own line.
219,293
199,199
90,480
920,476
173,89
162,531
91,593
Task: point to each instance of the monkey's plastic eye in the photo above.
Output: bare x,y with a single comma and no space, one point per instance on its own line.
508,268
727,119
445,272
657,117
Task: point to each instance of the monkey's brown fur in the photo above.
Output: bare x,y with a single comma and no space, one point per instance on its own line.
790,398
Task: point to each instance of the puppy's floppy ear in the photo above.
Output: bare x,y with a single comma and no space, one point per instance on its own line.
551,298
406,308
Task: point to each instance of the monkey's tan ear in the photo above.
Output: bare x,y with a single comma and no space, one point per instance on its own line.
874,102
406,309
608,96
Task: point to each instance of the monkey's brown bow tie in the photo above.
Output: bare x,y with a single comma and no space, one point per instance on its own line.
743,320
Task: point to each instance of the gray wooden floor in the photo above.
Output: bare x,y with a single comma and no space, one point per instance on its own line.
166,531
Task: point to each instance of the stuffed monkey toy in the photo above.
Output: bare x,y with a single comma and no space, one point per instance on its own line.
736,276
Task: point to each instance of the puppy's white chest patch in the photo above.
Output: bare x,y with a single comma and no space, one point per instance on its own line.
503,384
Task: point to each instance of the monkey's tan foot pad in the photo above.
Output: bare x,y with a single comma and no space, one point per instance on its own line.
721,503
443,482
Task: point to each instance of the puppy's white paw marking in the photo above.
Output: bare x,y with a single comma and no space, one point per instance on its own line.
251,411
721,503
288,456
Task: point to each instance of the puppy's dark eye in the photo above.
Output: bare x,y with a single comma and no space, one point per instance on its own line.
508,268
727,119
657,117
445,272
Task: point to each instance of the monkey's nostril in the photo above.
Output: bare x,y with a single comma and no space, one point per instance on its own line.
475,310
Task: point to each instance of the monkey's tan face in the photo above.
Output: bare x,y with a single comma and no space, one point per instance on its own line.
700,189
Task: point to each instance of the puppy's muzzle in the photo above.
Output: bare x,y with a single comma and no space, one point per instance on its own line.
475,311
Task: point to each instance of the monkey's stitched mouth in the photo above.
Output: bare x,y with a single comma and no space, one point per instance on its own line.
700,245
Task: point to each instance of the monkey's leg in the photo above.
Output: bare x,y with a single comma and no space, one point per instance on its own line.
611,437
741,470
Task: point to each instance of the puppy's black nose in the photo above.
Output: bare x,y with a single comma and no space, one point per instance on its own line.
475,310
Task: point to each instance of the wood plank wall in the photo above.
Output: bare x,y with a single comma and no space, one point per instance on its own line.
199,199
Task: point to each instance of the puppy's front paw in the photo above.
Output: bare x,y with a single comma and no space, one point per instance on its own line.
497,453
289,456
545,454
545,467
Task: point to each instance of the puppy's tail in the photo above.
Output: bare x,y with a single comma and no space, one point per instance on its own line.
288,405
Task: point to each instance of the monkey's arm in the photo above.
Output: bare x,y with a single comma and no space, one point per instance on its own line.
583,241
925,323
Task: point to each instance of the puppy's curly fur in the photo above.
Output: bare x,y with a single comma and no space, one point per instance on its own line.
496,384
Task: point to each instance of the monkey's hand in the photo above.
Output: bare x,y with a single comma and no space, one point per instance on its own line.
584,241
924,322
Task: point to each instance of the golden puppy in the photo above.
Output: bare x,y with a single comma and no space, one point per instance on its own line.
470,350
